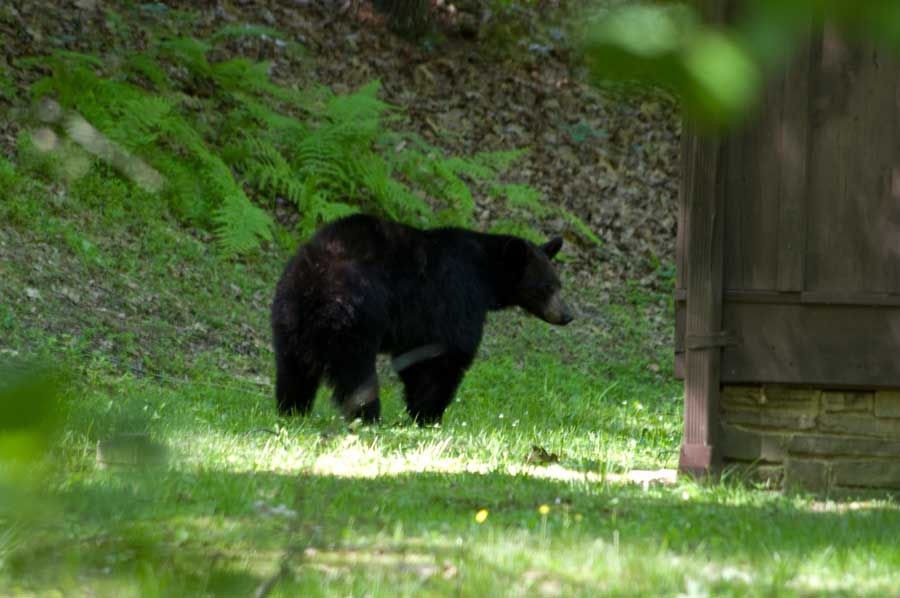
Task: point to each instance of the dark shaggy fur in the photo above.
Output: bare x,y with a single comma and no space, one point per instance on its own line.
364,286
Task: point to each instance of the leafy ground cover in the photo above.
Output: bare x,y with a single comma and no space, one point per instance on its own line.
170,473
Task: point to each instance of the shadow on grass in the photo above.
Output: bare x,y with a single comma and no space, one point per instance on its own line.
203,530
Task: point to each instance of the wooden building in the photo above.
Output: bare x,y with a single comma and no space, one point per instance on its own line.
788,287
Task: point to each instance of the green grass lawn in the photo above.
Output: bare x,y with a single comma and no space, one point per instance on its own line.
171,474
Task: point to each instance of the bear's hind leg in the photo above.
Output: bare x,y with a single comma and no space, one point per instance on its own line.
356,384
431,385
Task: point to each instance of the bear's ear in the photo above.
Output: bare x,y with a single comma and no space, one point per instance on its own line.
552,247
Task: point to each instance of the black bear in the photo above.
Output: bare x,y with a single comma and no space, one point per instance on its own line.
364,286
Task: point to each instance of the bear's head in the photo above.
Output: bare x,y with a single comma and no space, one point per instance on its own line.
535,286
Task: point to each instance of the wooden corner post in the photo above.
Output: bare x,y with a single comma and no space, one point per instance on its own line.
702,198
702,195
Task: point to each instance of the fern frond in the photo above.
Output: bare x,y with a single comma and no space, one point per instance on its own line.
332,210
473,170
245,30
321,154
73,77
189,53
521,196
393,197
281,128
362,106
455,192
59,57
317,209
146,64
256,31
241,74
580,226
266,169
507,226
240,225
500,161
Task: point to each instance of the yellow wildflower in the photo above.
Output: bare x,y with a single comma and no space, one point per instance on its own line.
544,509
481,515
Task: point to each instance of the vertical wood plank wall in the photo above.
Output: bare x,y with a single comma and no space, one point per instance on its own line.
805,203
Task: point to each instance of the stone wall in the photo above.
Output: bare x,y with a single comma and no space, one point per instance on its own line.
835,442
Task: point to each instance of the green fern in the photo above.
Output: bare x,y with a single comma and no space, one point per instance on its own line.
228,77
252,114
580,226
241,225
529,199
245,30
145,65
241,74
446,178
321,210
266,169
189,53
230,32
508,226
219,130
199,185
358,115
521,196
500,161
332,167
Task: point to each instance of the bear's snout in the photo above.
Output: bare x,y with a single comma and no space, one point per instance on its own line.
556,311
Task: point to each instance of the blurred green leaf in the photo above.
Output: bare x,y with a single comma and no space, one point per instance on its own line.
722,79
29,410
668,45
647,31
636,41
718,69
29,420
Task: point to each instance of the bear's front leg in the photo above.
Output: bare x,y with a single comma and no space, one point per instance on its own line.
296,379
431,385
361,403
356,386
295,386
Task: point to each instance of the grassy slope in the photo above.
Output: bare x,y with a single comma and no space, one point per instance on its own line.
166,338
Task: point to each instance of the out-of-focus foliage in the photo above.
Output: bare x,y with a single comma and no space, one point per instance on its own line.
30,418
29,411
717,69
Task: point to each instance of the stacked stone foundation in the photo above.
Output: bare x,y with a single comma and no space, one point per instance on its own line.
839,443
